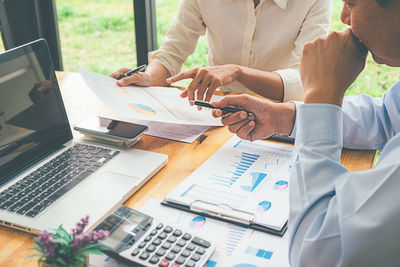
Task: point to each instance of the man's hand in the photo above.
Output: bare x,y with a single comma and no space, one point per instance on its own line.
139,78
269,118
330,65
206,80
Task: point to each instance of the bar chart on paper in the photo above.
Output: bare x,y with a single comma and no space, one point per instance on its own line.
249,178
235,170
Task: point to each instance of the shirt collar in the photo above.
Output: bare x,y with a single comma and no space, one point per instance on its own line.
281,3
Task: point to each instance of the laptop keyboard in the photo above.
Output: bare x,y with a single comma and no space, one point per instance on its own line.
38,190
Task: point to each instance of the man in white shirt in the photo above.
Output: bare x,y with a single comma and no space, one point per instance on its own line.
257,34
338,218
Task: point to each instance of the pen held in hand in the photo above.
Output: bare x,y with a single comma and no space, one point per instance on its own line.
131,72
224,109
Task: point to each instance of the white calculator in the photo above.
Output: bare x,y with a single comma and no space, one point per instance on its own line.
141,240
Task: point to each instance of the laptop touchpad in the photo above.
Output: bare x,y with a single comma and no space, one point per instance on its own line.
113,180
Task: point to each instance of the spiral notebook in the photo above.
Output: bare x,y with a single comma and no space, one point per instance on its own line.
243,182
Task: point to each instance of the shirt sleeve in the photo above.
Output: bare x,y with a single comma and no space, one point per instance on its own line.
370,122
316,24
181,38
339,218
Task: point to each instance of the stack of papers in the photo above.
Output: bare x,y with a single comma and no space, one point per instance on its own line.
162,104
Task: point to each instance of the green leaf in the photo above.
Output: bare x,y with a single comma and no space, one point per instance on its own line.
36,255
66,235
61,241
38,248
61,261
80,258
90,249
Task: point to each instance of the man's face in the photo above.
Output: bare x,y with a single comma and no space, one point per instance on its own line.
378,28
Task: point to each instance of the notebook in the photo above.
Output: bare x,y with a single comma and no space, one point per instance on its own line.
46,177
243,182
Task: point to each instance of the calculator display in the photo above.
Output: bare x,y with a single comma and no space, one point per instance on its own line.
121,225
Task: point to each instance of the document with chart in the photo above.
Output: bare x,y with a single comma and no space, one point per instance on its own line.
161,104
237,246
244,182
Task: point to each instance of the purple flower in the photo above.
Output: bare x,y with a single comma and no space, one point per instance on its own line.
80,226
49,247
63,247
81,240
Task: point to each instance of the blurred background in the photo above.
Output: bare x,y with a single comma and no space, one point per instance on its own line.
98,35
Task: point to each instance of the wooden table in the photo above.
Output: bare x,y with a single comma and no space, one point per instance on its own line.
183,160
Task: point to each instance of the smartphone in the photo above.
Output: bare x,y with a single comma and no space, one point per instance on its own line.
109,128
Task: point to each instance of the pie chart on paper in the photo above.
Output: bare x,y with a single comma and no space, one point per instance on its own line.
263,206
197,222
142,109
280,185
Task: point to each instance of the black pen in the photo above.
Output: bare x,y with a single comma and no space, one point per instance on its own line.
225,109
129,73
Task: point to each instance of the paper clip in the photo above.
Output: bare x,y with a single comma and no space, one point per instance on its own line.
223,211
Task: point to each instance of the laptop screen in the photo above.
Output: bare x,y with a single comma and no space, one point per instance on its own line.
33,121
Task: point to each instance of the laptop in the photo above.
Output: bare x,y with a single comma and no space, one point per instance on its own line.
46,177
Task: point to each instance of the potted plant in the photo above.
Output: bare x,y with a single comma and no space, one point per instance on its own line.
61,249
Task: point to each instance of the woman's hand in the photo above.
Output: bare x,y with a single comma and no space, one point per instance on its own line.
206,80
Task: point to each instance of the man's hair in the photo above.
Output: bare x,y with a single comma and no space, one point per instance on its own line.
384,3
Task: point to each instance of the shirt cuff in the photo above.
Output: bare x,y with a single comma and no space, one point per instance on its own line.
292,87
318,122
294,130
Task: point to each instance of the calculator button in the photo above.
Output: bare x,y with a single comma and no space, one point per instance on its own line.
159,226
177,232
175,264
148,238
195,257
201,242
180,260
185,253
170,256
166,245
135,252
144,256
151,248
160,252
154,232
164,263
154,259
142,245
171,239
168,229
156,241
191,247
162,235
190,264
201,251
176,249
186,236
181,243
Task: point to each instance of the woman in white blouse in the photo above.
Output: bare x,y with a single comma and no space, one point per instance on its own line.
252,44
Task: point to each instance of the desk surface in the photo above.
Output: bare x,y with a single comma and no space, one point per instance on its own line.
183,159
